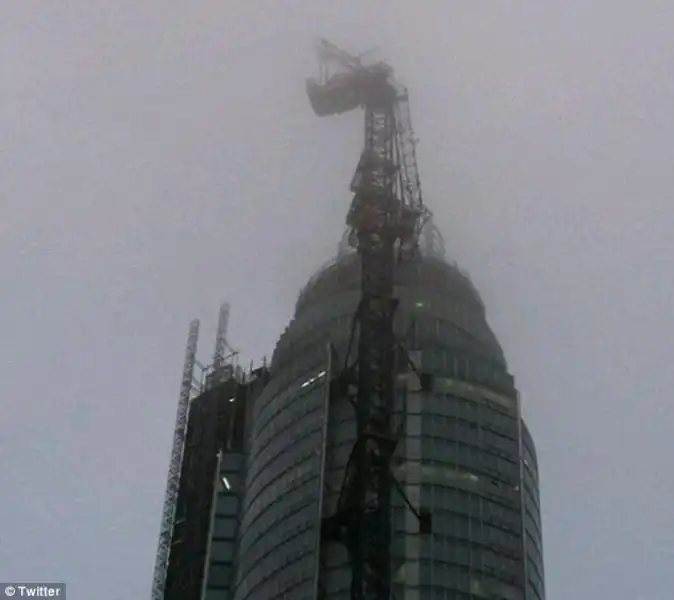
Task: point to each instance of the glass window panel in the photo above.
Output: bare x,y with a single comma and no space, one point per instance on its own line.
227,505
222,551
219,576
224,528
231,462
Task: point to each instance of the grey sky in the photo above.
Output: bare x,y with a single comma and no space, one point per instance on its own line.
157,157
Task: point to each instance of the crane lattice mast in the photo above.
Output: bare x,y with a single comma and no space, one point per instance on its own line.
385,220
221,344
173,480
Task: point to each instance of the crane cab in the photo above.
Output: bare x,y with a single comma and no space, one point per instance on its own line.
349,90
337,95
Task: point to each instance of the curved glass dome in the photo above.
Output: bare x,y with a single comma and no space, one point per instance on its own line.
436,299
464,454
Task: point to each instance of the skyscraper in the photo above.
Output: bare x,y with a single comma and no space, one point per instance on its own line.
464,452
431,490
205,526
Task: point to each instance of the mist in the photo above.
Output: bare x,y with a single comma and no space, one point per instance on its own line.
157,158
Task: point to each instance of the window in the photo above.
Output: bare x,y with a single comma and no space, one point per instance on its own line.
224,528
222,551
231,462
219,576
227,506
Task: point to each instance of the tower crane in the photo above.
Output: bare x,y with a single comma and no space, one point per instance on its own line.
385,220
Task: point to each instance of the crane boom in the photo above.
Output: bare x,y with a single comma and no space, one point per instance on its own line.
385,217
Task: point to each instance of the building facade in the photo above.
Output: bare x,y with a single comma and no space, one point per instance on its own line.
203,544
465,453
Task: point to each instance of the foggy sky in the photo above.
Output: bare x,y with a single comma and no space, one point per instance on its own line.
157,157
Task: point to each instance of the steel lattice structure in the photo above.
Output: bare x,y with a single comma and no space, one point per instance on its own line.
173,481
221,344
385,220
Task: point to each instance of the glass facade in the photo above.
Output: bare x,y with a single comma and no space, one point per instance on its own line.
280,512
224,526
465,453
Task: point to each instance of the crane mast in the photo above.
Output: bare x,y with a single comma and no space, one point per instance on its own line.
385,219
173,480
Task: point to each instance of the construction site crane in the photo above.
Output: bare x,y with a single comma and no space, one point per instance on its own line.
173,480
385,219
